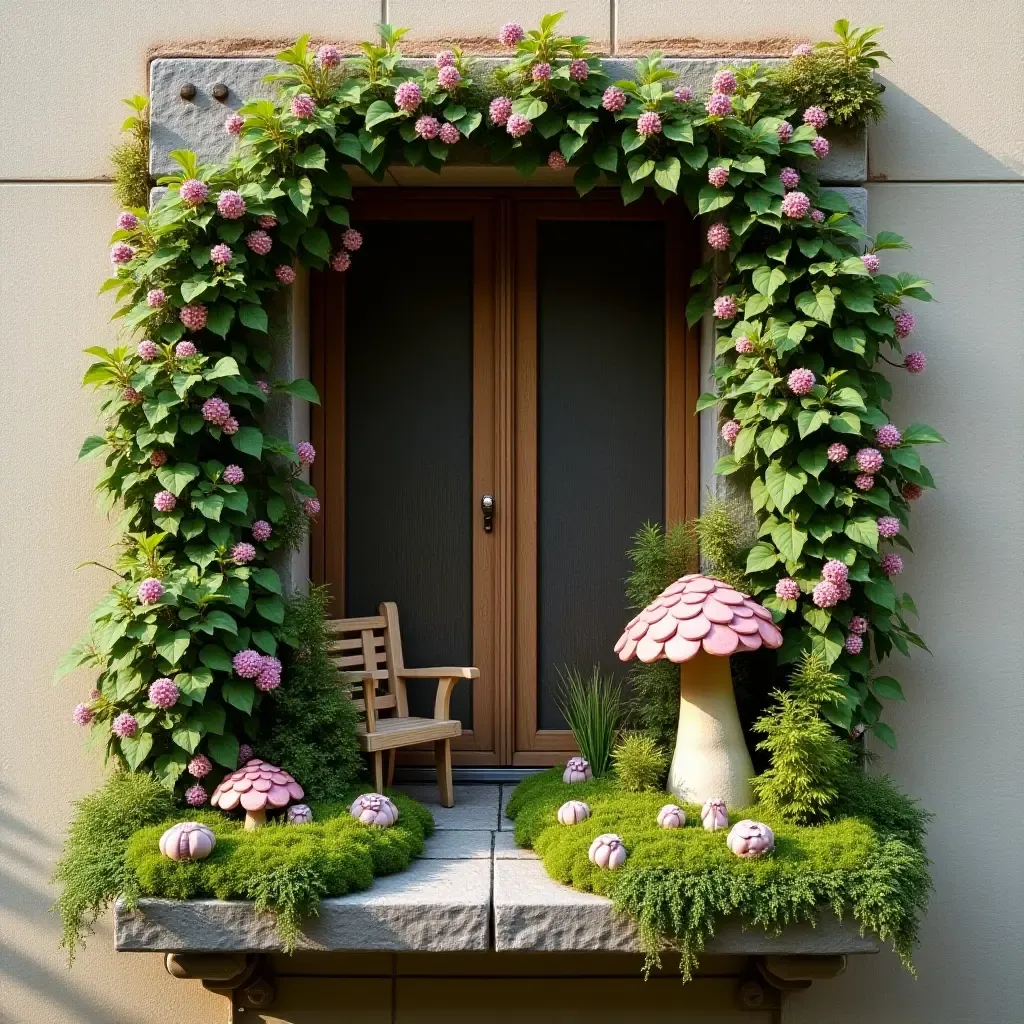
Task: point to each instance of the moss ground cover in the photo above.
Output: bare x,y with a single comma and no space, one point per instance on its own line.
868,862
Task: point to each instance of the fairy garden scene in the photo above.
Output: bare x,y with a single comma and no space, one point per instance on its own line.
722,768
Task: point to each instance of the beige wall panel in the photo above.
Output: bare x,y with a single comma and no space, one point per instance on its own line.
327,1001
54,248
959,732
954,89
71,63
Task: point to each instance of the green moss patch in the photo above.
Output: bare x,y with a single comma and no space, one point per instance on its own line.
868,862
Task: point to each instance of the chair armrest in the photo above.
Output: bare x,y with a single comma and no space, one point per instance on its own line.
359,677
438,673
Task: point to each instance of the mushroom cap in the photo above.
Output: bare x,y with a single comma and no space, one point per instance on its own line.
697,612
256,786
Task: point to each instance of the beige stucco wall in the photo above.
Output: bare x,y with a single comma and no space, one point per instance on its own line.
948,162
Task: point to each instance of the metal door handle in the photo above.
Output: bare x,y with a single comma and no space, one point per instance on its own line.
487,507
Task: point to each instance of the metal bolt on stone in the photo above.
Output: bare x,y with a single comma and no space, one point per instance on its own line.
220,92
188,91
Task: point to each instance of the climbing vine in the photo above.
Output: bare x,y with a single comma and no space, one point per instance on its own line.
187,641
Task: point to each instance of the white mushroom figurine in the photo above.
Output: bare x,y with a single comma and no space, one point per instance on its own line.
188,840
714,814
607,851
671,816
572,812
577,769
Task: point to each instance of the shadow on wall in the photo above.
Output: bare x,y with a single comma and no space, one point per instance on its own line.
935,143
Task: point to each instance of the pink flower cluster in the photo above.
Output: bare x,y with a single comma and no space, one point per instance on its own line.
511,35
306,453
260,242
744,346
351,239
821,146
445,59
193,191
800,381
243,553
185,349
725,307
164,501
790,177
871,262
216,410
231,204
448,77
796,205
541,72
724,81
912,491
121,252
787,589
220,254
155,298
233,474
269,675
148,350
648,123
719,236
195,796
683,94
835,571
837,452
915,362
858,624
261,530
157,458
127,221
863,481
234,124
579,70
718,104
285,274
556,161
427,127
730,431
784,132
200,766
328,56
130,395
892,564
613,99
816,116
517,125
888,526
718,176
82,714
193,316
905,322
500,110
888,436
125,725
265,670
341,261
150,590
164,693
311,507
803,50
853,644
870,460
408,96
303,106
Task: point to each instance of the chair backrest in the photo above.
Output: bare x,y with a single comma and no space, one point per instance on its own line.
372,643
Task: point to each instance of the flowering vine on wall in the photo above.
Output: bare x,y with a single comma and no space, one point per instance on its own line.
187,641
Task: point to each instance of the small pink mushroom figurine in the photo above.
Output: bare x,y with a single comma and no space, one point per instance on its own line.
714,815
298,814
188,840
258,787
577,769
374,809
750,838
572,812
608,852
671,816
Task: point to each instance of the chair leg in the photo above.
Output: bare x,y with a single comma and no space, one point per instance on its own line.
443,762
392,758
377,760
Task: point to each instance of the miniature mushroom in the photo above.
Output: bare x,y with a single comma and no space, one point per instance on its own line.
697,622
577,769
607,851
750,838
671,816
188,840
374,809
714,815
572,812
298,814
257,787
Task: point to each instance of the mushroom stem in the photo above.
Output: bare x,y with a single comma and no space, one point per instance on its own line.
711,757
253,819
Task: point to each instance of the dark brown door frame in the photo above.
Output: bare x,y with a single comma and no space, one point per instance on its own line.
504,561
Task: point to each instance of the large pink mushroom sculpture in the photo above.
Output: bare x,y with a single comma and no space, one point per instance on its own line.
697,622
256,787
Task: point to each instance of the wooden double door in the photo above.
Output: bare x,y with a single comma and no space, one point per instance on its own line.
507,389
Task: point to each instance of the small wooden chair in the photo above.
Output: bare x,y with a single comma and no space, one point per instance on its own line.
368,651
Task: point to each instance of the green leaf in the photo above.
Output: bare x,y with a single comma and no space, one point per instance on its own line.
239,693
221,620
301,388
755,305
215,657
768,280
881,593
810,247
790,540
783,484
631,140
819,491
223,749
168,768
710,198
378,112
607,158
761,557
706,401
847,398
773,438
850,338
696,157
570,144
268,579
678,131
194,684
91,446
312,157
529,106
666,174
639,167
921,433
264,640
177,476
845,423
316,240
744,442
224,367
580,121
210,505
813,460
860,299
271,608
586,177
863,530
725,465
252,316
136,749
249,440
630,192
887,688
172,646
819,304
219,319
810,420
885,734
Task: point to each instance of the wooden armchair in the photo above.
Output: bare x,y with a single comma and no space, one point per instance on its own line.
368,651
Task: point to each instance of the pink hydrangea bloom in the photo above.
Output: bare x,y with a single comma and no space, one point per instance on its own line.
892,564
195,796
245,753
216,410
263,386
821,146
163,693
260,242
796,205
730,430
825,594
193,191
351,239
164,501
724,81
306,453
82,715
269,676
859,624
541,72
243,552
725,307
835,571
556,161
233,474
448,77
790,177
231,205
220,254
500,109
787,589
915,362
888,436
127,221
871,262
341,261
267,222
200,766
579,70
744,346
184,349
129,394
193,316
408,96
511,34
718,104
888,526
870,460
311,507
719,236
845,590
261,530
157,458
517,126
648,123
148,350
905,322
613,99
718,176
816,116
863,481
449,134
247,663
445,59
817,216
155,298
234,124
150,590
285,273
682,94
803,50
230,426
784,132
121,252
854,644
427,127
912,491
328,56
837,452
303,106
124,725
800,381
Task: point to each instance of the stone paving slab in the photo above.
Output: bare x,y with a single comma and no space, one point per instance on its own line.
506,824
476,806
505,848
455,844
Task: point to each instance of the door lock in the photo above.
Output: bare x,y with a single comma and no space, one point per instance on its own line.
487,507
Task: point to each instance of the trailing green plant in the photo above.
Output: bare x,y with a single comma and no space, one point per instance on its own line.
810,761
677,884
311,724
131,158
593,708
640,763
